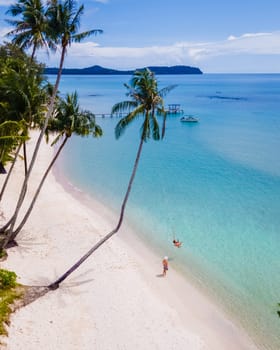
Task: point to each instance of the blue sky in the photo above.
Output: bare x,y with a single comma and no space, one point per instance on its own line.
218,36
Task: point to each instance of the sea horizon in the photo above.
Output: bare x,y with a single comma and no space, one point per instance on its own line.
213,185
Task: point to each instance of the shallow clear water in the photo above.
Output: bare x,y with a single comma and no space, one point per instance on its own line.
214,185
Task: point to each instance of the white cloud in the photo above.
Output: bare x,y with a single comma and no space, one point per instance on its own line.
83,54
203,55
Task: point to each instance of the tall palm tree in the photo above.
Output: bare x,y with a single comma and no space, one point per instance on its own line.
147,101
63,24
70,119
30,30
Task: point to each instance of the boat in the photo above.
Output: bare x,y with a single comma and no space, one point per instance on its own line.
189,119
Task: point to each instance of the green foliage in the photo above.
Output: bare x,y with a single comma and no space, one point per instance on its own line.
3,254
146,100
8,294
30,30
11,134
22,98
21,86
7,298
71,119
64,21
7,279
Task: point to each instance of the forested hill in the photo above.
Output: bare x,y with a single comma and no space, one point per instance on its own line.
98,70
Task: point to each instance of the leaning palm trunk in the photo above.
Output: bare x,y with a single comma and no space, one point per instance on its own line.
9,173
29,210
34,156
6,226
145,99
25,157
56,284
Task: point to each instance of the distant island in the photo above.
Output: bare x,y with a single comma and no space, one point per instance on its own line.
98,70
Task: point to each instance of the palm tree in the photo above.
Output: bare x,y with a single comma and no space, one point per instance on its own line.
69,120
25,96
63,24
30,30
146,101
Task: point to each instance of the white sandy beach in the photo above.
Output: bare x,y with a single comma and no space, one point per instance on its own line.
115,300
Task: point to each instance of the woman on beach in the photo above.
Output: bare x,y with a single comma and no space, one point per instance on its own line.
165,265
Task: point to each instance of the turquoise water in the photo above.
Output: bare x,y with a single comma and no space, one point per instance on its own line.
215,185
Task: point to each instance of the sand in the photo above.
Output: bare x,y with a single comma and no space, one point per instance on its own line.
117,299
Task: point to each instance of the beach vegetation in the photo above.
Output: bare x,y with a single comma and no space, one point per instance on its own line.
7,279
63,22
146,101
9,292
11,135
23,97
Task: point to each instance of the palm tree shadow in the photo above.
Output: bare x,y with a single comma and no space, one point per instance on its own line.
72,283
78,280
75,284
70,289
25,242
40,288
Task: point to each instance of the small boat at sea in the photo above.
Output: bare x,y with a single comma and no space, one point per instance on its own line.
189,119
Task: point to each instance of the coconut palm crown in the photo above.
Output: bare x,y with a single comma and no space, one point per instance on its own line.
31,29
64,22
146,100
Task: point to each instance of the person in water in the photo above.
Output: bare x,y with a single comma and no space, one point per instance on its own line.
165,265
177,243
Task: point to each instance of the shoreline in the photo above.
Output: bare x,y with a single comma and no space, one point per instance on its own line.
115,299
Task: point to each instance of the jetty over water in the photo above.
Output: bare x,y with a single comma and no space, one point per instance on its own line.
174,108
110,115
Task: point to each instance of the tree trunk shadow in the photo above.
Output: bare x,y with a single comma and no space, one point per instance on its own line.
28,295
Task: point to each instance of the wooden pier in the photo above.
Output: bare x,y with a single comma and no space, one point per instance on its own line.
174,108
110,115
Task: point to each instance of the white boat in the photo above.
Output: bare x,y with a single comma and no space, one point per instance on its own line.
189,119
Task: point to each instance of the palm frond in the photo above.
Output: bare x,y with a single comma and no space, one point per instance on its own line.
97,132
155,127
146,129
143,90
80,36
163,92
124,122
57,138
123,107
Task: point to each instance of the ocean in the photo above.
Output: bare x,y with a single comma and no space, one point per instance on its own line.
215,185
